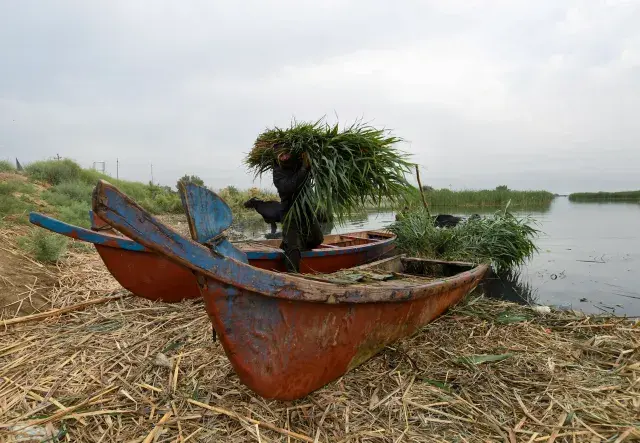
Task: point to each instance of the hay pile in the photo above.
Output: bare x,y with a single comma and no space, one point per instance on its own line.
349,167
135,371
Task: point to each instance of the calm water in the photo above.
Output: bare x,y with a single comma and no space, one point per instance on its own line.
589,257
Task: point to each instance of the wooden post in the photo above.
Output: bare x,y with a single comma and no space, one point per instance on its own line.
424,201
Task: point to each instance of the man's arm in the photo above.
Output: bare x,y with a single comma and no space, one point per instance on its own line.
288,184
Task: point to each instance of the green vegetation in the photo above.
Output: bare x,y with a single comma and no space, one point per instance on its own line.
71,186
501,239
623,196
493,198
14,198
45,246
6,166
54,172
348,167
63,189
190,178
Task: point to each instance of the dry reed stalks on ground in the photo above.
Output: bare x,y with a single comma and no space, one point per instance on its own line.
28,286
132,370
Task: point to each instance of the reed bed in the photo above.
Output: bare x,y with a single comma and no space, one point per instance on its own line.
501,239
483,198
135,371
623,196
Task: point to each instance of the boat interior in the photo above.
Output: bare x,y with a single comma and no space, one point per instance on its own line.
330,241
395,271
418,266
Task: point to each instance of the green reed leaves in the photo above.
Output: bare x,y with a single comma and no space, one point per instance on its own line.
501,239
349,167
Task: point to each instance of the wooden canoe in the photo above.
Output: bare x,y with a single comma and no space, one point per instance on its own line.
287,335
152,276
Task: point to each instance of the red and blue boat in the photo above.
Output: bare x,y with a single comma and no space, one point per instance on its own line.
287,335
152,276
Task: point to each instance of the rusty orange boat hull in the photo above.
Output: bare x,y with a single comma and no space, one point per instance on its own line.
285,349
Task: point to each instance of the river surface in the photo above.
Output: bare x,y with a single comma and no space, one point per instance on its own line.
589,257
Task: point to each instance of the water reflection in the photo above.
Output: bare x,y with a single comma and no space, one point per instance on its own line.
509,286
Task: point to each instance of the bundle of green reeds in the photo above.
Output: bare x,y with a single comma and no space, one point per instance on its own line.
502,239
349,167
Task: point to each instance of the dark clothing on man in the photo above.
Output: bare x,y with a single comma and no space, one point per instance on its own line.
298,235
288,180
298,238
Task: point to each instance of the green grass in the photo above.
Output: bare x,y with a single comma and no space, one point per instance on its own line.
67,197
485,198
622,196
69,188
14,199
501,239
45,246
6,166
70,193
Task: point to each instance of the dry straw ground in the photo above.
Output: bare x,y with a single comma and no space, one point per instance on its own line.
132,370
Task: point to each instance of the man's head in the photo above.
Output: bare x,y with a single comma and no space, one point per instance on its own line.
287,160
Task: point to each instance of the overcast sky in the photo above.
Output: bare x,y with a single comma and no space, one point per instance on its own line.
532,94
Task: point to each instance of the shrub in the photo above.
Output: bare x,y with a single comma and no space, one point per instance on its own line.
6,166
44,246
495,198
77,190
54,171
76,213
190,178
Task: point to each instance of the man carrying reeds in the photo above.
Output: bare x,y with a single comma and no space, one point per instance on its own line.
298,233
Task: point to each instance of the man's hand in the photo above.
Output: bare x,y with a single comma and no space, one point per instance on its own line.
305,160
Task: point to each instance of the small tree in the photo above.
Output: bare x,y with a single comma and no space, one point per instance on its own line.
502,188
190,179
233,190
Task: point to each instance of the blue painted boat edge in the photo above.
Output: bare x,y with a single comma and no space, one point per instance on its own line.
86,235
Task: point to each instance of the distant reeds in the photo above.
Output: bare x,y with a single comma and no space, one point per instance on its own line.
622,196
491,198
